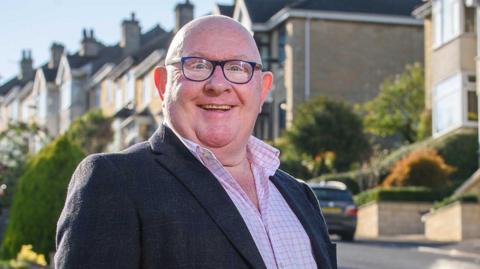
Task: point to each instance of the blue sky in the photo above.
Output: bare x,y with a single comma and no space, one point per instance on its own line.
34,24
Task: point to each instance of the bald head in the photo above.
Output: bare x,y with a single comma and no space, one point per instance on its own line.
220,34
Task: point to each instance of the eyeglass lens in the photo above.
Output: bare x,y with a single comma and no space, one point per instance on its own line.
235,71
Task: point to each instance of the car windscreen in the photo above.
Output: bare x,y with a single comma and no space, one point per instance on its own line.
332,195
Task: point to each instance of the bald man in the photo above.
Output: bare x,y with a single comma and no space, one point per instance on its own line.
202,192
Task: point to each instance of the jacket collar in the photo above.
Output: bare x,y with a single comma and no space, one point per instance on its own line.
176,158
172,154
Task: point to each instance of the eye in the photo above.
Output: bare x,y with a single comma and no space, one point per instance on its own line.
197,65
237,66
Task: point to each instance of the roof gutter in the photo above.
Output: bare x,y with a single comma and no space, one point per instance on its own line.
287,13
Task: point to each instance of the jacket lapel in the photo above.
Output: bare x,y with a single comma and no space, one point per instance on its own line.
305,213
176,158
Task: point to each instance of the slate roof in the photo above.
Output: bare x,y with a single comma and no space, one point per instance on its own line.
262,11
12,83
226,10
155,38
381,7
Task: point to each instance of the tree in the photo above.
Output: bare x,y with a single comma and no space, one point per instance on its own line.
328,136
39,198
14,151
92,131
398,107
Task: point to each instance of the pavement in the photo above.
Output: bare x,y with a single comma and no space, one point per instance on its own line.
469,248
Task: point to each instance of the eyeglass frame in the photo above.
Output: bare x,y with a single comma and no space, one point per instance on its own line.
254,65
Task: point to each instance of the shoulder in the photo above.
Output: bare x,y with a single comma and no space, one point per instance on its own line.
291,180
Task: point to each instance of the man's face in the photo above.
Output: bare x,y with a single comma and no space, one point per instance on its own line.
215,113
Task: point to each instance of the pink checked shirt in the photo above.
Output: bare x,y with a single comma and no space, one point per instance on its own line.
278,234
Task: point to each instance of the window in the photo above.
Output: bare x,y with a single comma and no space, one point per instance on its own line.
446,20
25,111
130,89
109,89
472,106
263,44
281,44
470,20
118,96
14,110
42,104
147,90
66,94
447,104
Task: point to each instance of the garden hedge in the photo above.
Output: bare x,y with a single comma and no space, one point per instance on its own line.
410,194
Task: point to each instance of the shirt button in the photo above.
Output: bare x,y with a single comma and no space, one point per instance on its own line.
280,265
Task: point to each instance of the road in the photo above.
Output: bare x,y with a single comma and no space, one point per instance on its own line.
365,254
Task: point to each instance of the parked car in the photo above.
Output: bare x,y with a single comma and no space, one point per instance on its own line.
338,208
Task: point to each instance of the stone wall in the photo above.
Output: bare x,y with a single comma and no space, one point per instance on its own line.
391,218
454,222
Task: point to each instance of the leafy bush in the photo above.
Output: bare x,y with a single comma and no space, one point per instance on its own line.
413,194
396,110
458,149
423,167
327,135
39,198
92,131
465,198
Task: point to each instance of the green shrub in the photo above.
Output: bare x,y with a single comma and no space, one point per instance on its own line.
422,167
327,135
39,198
458,149
416,194
465,198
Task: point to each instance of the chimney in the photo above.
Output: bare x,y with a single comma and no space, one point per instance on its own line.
56,51
26,66
131,32
183,14
90,46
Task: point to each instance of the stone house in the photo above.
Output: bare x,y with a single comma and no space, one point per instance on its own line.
339,49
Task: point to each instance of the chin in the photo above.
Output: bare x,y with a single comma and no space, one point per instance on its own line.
217,137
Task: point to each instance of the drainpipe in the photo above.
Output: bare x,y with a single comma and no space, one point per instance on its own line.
307,59
477,21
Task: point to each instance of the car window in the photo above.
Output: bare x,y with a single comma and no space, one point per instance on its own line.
333,195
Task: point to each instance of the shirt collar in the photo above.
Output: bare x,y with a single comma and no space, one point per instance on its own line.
260,153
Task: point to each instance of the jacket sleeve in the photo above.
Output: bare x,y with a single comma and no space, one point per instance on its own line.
98,227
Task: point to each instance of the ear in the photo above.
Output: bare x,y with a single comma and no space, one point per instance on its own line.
267,80
160,77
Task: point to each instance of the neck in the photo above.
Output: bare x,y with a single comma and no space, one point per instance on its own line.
231,157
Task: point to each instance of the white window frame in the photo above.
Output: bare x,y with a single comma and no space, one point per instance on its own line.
456,92
448,28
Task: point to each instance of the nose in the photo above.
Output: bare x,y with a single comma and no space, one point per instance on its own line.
217,83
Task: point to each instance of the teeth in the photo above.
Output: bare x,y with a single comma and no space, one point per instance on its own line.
220,107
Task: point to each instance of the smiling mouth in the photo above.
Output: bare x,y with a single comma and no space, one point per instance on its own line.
212,107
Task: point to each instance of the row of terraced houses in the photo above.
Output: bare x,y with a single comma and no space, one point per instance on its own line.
339,49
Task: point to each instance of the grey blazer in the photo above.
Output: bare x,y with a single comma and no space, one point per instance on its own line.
155,205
